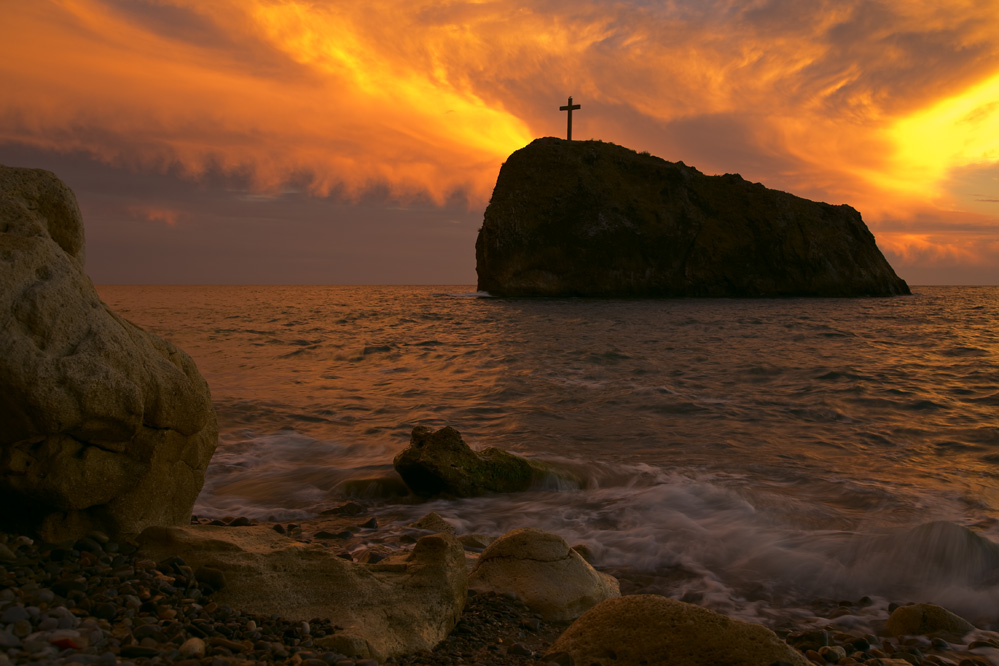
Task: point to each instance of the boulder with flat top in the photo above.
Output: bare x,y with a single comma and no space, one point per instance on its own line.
103,425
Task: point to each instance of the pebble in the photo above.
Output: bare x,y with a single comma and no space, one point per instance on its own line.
94,603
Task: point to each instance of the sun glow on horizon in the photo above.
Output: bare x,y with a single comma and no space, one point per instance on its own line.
955,132
855,103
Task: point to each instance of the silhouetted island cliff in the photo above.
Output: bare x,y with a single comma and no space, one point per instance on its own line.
588,218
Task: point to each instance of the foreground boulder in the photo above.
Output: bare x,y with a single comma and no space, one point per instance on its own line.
587,218
441,463
540,569
102,425
396,606
650,629
926,620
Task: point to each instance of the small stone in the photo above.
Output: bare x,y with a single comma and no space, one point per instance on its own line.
21,628
242,521
149,631
370,525
211,577
234,646
6,554
584,551
832,653
137,651
432,522
88,545
814,657
14,614
105,611
9,640
348,509
520,650
193,647
279,528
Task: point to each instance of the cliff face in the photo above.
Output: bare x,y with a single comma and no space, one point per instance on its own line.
586,218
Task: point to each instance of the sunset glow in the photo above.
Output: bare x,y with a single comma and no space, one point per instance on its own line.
891,106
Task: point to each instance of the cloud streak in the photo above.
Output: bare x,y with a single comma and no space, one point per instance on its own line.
882,104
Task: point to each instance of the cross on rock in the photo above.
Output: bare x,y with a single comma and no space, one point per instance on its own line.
569,107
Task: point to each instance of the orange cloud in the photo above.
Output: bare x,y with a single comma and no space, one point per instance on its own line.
873,103
154,214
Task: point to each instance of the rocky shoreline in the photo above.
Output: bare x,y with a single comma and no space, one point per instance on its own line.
97,601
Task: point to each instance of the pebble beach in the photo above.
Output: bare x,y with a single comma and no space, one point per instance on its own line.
96,601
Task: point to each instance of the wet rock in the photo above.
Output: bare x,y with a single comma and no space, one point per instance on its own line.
346,509
540,569
103,425
441,463
433,523
924,620
643,629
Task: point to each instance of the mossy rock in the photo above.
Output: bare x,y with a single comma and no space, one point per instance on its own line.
441,463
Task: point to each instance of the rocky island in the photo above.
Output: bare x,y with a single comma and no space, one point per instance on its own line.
588,218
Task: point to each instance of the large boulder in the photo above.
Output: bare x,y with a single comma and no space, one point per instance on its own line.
397,606
650,629
540,569
587,218
102,424
441,463
924,620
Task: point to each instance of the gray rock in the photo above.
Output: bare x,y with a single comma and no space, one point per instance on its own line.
587,218
13,614
103,425
9,640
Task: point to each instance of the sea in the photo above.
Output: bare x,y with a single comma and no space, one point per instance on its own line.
790,461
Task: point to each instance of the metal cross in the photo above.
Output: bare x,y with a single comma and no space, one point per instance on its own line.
569,107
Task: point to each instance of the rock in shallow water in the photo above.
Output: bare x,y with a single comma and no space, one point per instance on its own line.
587,218
440,462
102,424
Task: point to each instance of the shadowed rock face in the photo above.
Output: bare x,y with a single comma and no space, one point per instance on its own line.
587,218
440,462
102,424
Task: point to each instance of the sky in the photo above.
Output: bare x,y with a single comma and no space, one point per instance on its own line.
348,142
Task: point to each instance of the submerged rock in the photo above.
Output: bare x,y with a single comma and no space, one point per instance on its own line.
102,424
400,605
651,629
587,218
441,463
540,569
